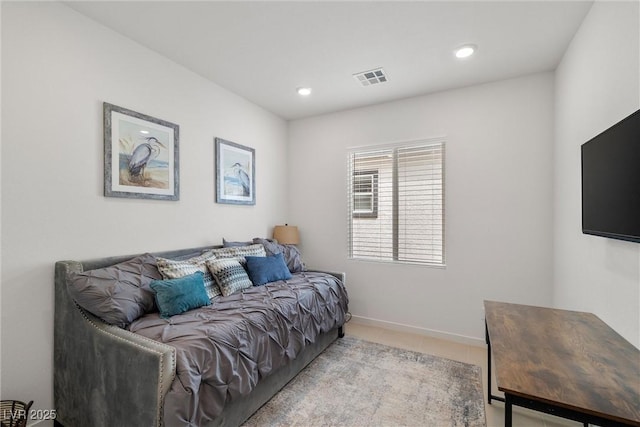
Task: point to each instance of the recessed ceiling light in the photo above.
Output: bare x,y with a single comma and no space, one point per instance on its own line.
465,51
304,91
144,131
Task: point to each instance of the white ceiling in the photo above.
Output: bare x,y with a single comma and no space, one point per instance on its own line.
264,50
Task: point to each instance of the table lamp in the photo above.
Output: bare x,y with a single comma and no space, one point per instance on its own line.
286,234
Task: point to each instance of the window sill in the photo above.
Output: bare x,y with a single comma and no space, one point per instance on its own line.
390,262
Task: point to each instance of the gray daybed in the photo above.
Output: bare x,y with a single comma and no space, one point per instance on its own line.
247,347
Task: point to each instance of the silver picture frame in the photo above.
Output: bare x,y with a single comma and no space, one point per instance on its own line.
141,155
235,173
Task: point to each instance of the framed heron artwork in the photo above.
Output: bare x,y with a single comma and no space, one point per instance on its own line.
235,173
140,155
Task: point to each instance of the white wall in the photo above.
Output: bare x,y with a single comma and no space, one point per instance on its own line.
597,84
498,203
57,69
0,205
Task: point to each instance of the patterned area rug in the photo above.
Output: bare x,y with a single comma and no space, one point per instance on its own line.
359,383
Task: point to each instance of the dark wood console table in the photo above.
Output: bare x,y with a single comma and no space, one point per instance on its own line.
565,363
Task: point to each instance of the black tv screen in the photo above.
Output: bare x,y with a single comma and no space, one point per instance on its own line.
611,181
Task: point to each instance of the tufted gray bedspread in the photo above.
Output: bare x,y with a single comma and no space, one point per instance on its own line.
223,349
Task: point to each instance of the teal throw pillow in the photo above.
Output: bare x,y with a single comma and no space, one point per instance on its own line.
175,296
263,270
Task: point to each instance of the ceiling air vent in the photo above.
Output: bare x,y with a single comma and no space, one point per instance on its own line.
371,77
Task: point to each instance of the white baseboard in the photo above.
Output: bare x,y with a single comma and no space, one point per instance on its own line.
393,326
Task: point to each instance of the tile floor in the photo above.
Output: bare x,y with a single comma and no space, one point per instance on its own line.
463,353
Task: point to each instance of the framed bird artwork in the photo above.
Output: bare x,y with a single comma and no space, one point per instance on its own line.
140,155
235,173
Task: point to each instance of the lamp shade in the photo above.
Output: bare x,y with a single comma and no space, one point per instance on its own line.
286,234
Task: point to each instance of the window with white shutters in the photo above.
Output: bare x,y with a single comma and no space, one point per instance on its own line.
396,203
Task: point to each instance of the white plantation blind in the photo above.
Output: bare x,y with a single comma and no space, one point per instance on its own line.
396,203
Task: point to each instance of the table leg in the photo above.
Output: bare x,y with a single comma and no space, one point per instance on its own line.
507,410
486,334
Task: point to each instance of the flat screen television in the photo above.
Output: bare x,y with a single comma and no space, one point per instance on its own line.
611,181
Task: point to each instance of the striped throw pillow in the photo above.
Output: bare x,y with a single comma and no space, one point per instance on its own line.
174,269
239,252
229,275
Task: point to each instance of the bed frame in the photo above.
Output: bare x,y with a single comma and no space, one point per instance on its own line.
106,376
